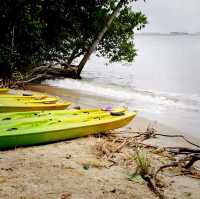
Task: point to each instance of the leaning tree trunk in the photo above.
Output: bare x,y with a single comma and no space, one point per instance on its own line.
73,55
99,37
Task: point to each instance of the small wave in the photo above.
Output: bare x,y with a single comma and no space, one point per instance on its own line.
141,97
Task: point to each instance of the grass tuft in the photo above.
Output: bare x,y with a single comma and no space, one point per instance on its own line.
143,162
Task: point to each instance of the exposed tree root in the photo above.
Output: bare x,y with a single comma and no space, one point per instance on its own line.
39,74
181,136
174,164
152,186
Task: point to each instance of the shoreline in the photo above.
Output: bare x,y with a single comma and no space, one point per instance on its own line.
89,100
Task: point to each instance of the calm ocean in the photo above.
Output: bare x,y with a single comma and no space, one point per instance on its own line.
163,83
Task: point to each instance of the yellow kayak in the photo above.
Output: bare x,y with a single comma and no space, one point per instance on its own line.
17,96
26,96
17,100
17,106
39,127
3,90
29,99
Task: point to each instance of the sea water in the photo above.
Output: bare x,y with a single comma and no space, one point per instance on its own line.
163,83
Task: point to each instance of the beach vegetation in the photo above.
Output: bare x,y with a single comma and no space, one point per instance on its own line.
143,163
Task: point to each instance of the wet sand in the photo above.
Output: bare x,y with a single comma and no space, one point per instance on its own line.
72,169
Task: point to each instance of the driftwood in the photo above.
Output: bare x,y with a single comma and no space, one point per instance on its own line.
180,157
51,71
180,136
174,164
190,157
182,150
40,73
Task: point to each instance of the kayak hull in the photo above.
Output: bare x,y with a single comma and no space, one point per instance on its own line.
3,90
29,102
24,100
17,96
63,134
5,109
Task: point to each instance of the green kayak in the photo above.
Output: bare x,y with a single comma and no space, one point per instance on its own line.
38,127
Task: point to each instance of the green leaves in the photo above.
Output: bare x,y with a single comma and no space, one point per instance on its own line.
33,32
137,178
118,43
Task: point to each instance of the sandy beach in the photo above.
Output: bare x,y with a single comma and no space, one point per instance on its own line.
89,167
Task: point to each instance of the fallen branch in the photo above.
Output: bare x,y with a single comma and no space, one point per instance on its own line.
182,150
40,76
193,159
152,186
181,136
185,163
174,164
41,73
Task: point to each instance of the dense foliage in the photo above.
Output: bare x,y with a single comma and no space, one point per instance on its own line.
33,32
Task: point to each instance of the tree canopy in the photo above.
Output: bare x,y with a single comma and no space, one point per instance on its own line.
33,32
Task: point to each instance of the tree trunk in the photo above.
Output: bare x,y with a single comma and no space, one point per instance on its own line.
99,37
71,58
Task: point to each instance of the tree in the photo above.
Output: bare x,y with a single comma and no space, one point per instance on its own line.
99,37
35,32
126,50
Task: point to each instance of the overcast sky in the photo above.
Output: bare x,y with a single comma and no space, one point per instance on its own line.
170,15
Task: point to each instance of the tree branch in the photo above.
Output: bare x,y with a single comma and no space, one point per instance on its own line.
181,136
